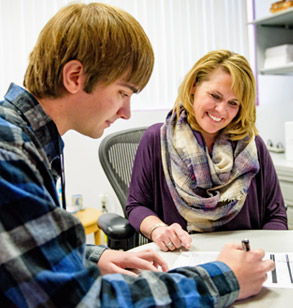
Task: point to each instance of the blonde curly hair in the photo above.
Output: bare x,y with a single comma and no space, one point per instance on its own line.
243,85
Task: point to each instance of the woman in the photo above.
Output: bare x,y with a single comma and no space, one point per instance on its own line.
206,169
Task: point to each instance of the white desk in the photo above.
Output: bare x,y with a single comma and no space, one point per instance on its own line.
270,241
284,169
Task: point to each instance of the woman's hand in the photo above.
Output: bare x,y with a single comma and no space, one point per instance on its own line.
127,262
171,237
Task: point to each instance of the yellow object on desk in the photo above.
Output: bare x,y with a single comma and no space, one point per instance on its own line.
89,219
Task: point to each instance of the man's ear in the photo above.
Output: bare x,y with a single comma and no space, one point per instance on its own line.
73,76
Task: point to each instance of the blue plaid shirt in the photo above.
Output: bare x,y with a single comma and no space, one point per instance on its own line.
44,260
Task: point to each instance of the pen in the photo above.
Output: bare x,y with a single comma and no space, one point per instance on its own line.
245,244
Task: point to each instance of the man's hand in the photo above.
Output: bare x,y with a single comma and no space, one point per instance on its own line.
115,261
248,267
173,234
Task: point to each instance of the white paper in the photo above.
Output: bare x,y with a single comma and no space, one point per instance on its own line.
281,277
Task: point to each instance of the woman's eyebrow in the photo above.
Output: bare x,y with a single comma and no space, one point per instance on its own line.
220,94
215,92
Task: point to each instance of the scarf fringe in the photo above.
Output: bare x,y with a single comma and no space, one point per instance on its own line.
191,173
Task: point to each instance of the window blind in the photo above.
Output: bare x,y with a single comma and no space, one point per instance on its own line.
181,31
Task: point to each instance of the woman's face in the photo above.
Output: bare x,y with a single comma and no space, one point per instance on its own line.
215,104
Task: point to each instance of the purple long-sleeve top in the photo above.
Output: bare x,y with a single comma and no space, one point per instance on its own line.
149,194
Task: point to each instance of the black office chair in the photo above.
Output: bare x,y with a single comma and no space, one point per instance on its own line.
116,154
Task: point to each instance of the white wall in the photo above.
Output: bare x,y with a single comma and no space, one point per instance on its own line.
275,95
205,25
84,174
190,27
275,107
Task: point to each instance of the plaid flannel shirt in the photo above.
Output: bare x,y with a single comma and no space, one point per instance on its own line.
44,261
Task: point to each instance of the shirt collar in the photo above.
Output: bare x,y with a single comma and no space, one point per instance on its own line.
38,121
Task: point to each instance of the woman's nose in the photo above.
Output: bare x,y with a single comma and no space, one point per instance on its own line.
220,107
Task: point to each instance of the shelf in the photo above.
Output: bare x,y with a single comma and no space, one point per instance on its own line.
274,30
281,70
281,19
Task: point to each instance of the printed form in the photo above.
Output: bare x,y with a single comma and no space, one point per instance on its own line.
280,277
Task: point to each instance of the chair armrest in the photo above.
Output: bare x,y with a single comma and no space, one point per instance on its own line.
115,226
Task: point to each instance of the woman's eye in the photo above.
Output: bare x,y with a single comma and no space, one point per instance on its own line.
215,96
234,104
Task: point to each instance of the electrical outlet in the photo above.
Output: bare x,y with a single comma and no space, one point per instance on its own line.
108,202
103,202
278,148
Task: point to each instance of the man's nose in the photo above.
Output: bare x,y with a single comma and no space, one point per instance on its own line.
124,112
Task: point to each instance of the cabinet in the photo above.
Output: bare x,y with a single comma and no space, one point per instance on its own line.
277,29
284,169
272,31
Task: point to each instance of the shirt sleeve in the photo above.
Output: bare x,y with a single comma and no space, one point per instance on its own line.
43,257
208,285
140,203
93,252
275,217
42,246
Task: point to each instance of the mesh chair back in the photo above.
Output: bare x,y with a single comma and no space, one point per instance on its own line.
116,154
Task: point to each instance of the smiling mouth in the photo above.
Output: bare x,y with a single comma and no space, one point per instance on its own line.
214,118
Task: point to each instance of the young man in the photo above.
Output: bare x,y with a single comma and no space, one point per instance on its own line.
87,63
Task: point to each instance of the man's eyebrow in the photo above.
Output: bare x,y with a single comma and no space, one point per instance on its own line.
131,87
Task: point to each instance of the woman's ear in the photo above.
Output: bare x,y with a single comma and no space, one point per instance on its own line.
192,91
73,76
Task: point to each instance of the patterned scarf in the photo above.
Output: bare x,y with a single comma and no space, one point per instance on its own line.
208,190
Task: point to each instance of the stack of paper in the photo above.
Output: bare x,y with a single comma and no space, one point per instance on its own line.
278,56
280,277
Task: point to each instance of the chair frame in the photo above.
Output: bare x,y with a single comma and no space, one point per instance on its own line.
120,234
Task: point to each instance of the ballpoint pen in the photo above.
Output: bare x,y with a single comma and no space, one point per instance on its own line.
245,244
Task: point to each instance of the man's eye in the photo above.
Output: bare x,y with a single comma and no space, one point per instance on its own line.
123,94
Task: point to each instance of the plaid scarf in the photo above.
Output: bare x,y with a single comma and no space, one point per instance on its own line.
208,190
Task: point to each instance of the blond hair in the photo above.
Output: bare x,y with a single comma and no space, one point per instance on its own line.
243,85
108,42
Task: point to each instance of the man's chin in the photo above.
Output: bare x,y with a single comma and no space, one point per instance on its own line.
99,134
95,135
